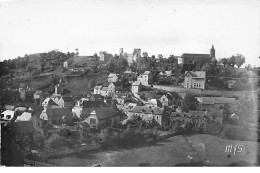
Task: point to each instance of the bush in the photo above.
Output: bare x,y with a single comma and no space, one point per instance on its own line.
213,128
56,142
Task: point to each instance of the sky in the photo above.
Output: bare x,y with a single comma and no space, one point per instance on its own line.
155,26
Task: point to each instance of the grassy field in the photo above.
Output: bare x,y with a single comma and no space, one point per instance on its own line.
174,151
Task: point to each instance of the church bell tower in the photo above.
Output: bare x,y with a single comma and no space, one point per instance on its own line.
212,52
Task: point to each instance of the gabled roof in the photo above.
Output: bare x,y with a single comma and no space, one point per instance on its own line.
68,99
26,116
97,97
193,55
217,100
182,95
38,92
52,103
145,109
105,112
10,107
196,74
94,104
136,83
111,75
104,89
147,72
58,112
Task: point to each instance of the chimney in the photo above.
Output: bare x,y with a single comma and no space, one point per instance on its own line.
79,103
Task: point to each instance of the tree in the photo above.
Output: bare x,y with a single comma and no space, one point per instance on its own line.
122,64
92,84
224,61
239,60
232,61
189,103
133,66
30,68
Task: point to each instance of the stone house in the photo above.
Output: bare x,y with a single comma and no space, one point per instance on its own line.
194,79
214,103
145,78
166,100
106,89
96,97
57,115
147,114
67,102
112,78
136,86
102,116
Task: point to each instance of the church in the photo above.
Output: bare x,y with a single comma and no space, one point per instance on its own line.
190,61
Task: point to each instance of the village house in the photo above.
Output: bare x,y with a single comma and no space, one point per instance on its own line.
7,115
96,97
214,103
89,106
145,78
38,94
57,115
106,89
153,103
112,78
180,99
147,114
102,116
194,79
77,109
48,102
67,102
166,99
136,86
130,76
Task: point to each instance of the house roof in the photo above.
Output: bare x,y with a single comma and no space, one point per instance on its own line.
94,104
68,99
105,112
145,109
111,75
38,92
97,87
23,126
97,97
104,88
50,102
216,100
58,112
136,83
26,116
10,107
182,95
193,55
147,72
196,74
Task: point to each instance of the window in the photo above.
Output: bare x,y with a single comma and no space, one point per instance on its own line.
196,85
8,116
2,115
163,99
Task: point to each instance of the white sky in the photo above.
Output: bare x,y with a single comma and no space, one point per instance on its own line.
156,26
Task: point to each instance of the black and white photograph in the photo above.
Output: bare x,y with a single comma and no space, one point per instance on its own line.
129,83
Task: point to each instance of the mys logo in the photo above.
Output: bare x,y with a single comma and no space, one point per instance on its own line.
234,149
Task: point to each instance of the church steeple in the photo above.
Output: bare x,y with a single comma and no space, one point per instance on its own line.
212,52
